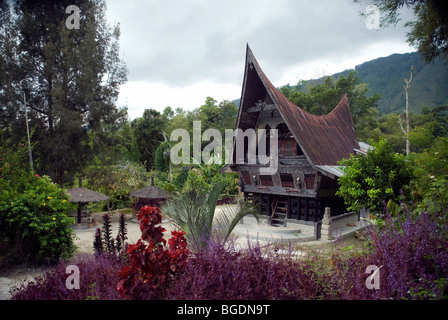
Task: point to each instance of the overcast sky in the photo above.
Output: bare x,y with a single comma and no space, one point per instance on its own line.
179,52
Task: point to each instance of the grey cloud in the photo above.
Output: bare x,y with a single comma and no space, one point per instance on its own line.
183,42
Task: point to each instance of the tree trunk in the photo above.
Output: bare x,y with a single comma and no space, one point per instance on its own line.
406,132
407,119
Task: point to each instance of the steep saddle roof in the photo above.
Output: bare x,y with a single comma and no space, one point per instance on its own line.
324,139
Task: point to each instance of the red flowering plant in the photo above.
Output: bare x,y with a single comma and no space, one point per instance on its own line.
152,264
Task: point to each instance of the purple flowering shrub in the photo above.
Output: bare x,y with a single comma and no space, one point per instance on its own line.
412,256
256,274
410,251
98,279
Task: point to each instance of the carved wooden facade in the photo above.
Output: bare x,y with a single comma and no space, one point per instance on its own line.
308,150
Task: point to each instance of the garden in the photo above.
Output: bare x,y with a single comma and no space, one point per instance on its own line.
199,260
410,254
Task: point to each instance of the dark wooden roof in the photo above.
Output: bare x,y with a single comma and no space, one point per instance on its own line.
324,139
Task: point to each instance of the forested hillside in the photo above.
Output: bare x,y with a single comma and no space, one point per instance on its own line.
386,76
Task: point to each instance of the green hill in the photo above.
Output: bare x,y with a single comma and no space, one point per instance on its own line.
385,76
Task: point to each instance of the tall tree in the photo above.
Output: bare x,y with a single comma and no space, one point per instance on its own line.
148,135
216,115
10,74
71,79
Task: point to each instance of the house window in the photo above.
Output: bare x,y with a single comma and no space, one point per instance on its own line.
266,180
287,181
309,180
288,147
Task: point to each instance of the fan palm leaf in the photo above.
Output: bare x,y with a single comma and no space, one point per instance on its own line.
194,212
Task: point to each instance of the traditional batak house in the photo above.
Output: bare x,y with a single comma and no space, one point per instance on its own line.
309,148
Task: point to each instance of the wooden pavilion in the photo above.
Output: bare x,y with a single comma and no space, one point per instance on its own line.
309,148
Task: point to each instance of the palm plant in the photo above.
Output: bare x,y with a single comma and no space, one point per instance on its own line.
194,212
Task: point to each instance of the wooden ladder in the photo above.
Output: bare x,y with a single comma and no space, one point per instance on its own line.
278,215
274,208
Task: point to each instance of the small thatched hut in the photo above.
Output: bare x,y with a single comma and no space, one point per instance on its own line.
82,196
151,195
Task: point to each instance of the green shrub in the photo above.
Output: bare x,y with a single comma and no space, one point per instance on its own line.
33,213
370,180
202,177
430,183
195,181
181,178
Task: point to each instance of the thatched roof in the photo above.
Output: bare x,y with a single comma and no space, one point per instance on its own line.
85,195
151,192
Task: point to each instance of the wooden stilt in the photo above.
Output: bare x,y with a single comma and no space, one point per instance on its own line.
307,209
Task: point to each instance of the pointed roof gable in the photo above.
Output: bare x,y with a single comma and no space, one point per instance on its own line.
324,139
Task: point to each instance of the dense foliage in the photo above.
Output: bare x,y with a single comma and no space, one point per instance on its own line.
146,136
431,175
69,78
162,158
411,252
370,180
34,225
202,176
98,279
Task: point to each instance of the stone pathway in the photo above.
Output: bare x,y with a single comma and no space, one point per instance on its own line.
7,283
292,235
5,286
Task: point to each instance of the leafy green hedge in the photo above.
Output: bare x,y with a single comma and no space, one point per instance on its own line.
34,225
